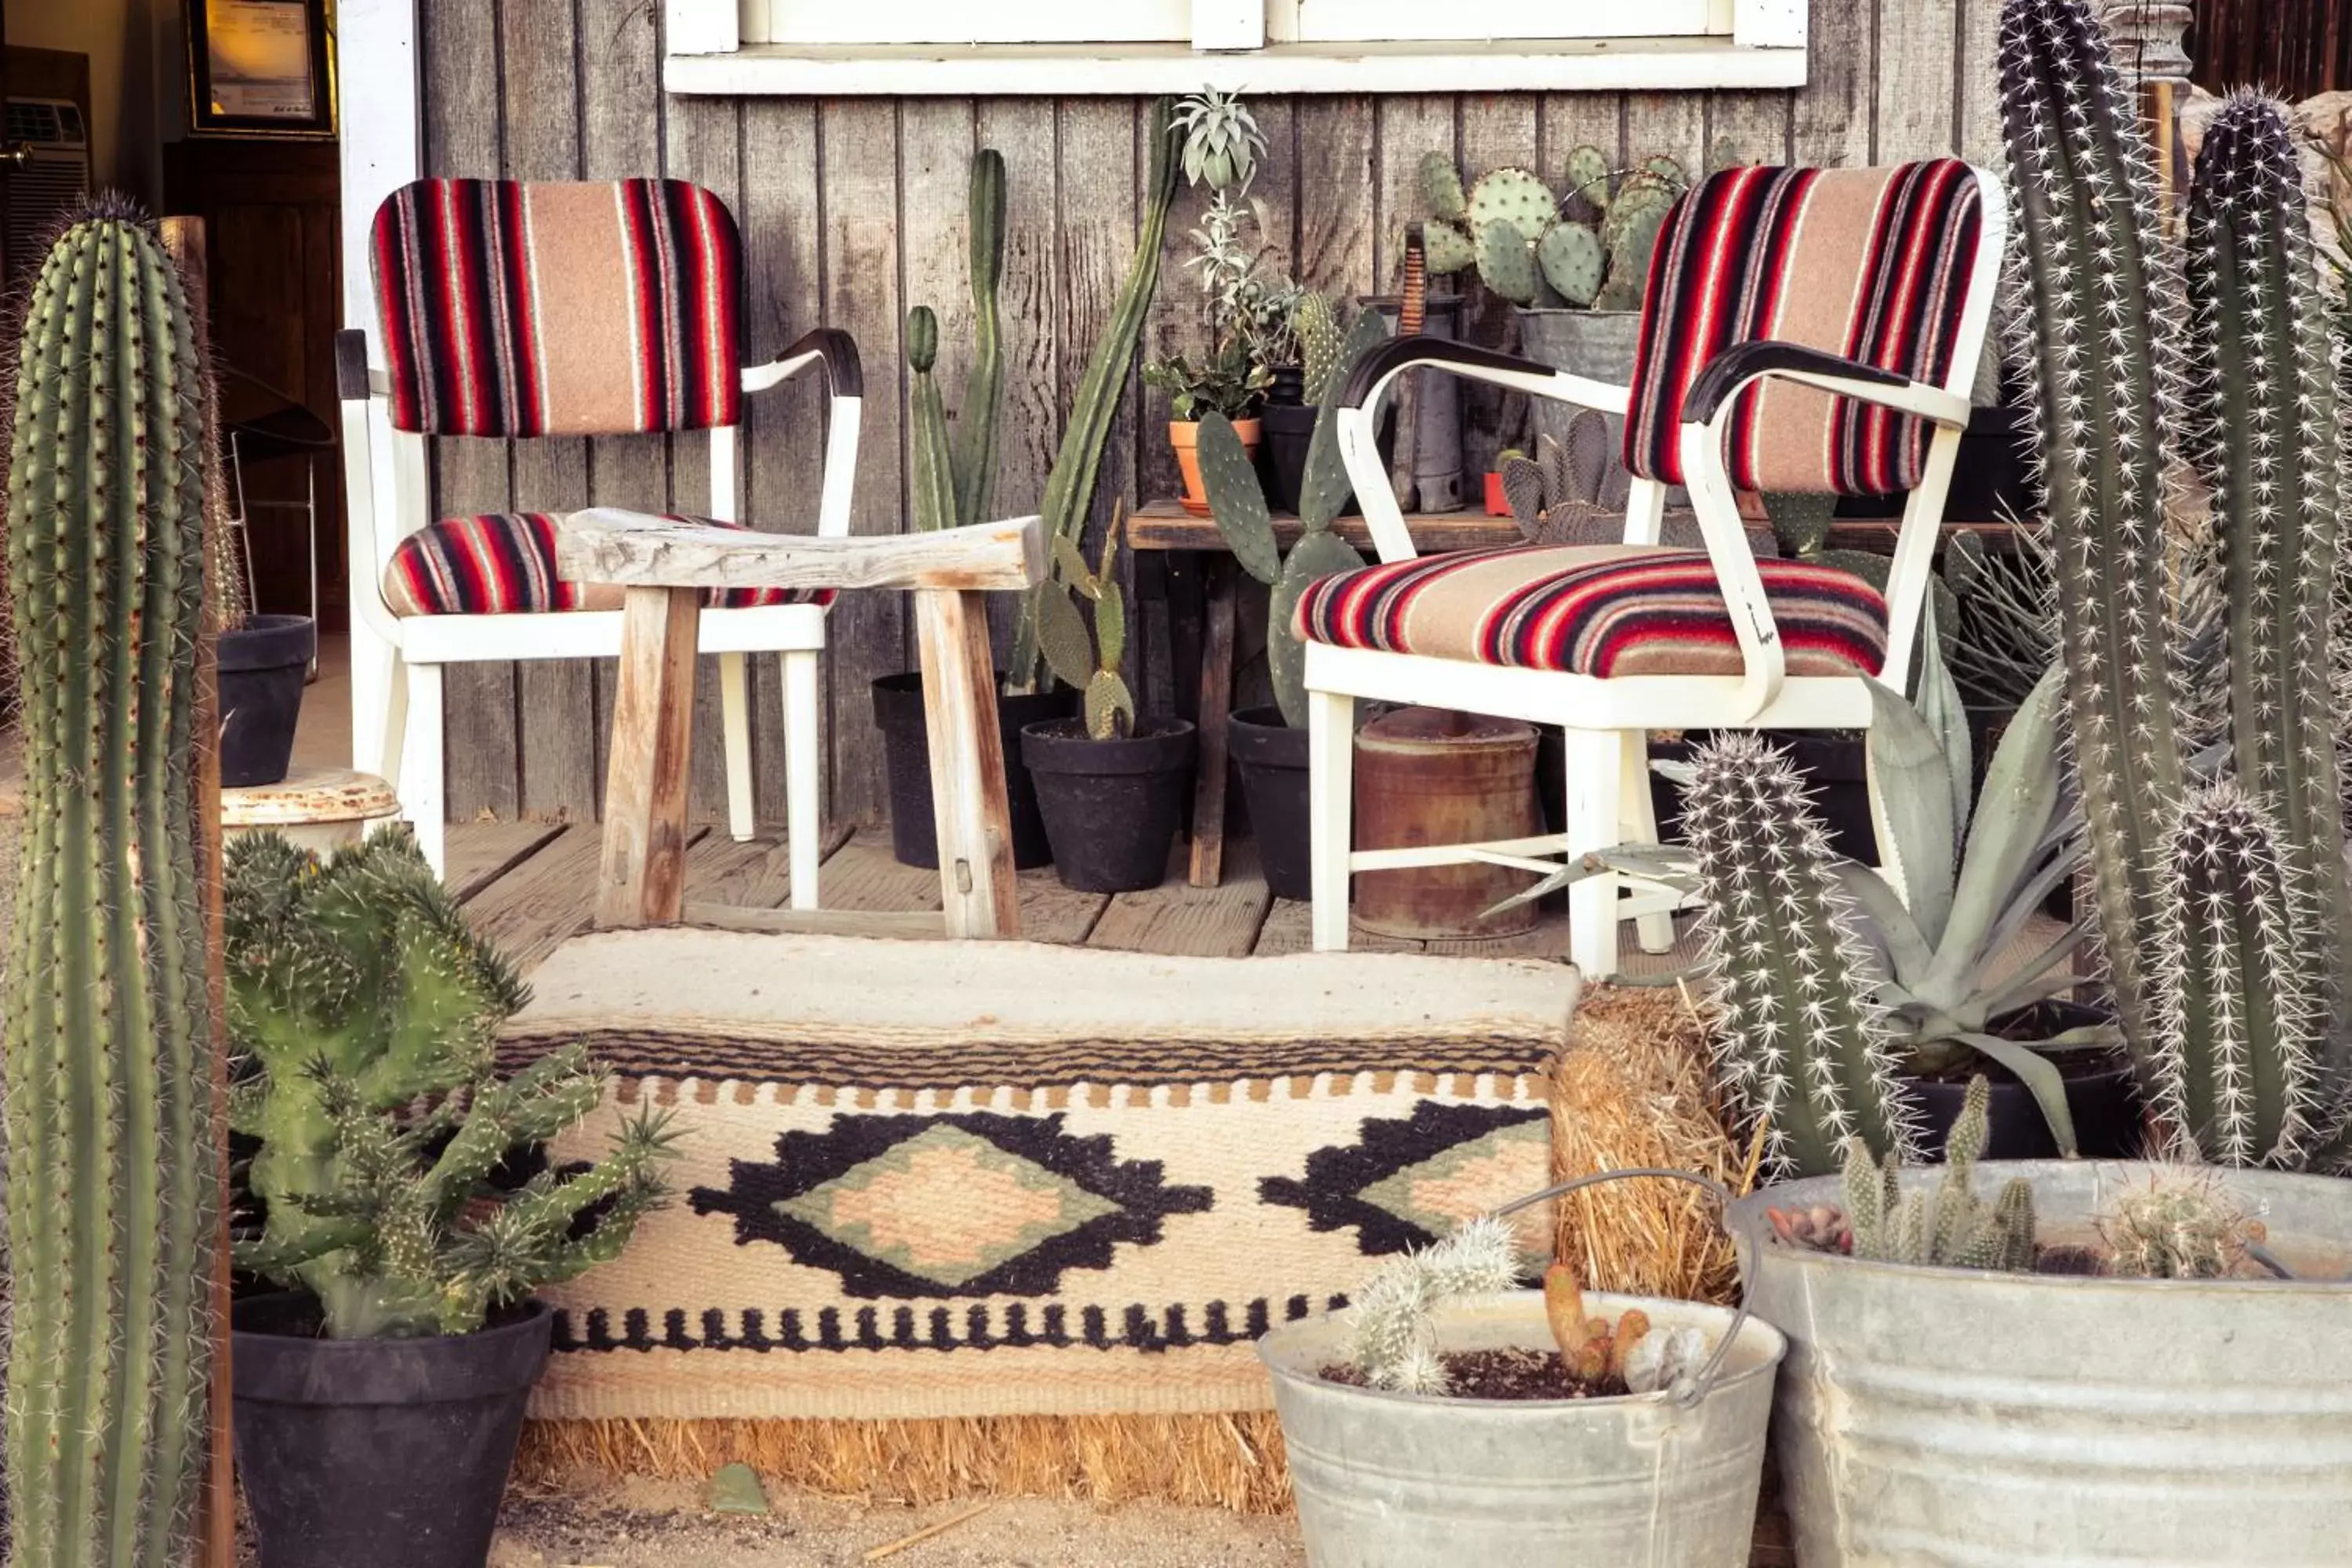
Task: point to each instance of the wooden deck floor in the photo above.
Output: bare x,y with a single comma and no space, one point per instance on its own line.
529,886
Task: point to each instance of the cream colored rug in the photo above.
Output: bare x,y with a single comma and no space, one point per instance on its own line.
934,1179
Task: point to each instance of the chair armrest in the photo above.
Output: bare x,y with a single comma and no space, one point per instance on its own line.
1372,374
828,347
1736,368
835,353
636,549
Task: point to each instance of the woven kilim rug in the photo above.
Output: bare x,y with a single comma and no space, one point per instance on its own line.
934,1179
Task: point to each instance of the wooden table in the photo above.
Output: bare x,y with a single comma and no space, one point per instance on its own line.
1200,572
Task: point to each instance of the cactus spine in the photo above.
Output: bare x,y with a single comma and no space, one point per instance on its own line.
2107,367
2267,440
1954,1230
1803,1044
1070,485
110,1126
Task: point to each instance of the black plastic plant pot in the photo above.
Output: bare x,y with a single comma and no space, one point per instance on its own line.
263,667
1111,807
2101,1096
377,1453
1272,759
1282,451
1289,386
906,767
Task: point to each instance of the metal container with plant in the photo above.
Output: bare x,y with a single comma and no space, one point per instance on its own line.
110,1048
952,482
1269,746
1448,1417
1112,786
379,1398
2158,1314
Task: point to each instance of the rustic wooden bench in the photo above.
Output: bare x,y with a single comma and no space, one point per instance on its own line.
663,566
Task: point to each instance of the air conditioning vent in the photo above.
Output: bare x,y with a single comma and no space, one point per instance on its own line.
52,183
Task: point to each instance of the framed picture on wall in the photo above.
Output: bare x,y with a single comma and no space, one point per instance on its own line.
261,67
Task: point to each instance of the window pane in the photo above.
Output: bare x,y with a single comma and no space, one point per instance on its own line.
1338,21
979,21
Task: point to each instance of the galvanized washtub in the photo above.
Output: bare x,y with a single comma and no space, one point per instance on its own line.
1944,1417
1655,1480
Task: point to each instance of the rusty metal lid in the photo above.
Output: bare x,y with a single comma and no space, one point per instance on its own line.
308,795
1434,728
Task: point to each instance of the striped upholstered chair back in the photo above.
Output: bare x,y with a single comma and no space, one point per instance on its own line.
1872,263
600,308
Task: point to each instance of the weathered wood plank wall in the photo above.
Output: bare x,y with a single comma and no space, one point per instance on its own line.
854,210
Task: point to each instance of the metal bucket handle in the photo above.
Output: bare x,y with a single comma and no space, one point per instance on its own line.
1687,1390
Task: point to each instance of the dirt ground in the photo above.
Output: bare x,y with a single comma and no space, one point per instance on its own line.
654,1524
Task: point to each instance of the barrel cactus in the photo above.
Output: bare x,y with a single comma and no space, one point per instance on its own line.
108,1039
359,993
2104,347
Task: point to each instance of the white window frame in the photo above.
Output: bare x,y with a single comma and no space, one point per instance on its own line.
957,46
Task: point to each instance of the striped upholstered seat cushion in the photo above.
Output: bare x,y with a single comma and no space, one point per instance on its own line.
1600,610
504,564
1871,264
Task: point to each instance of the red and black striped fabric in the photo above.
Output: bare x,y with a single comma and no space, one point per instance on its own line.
504,564
1872,263
1602,610
602,308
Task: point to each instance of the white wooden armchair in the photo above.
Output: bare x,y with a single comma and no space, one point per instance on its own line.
520,310
1804,332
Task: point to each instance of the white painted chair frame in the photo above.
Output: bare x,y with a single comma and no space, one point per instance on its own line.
1606,721
405,746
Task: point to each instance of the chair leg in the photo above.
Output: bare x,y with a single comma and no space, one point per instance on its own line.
735,729
423,799
803,768
1331,762
389,736
1596,767
1655,932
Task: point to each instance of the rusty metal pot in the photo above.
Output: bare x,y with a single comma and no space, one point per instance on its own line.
1429,775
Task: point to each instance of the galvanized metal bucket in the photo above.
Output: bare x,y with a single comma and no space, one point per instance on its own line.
1947,1416
1657,1480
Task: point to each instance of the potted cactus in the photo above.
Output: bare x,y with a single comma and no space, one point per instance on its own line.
2088,1400
379,1398
111,1191
1269,744
1111,786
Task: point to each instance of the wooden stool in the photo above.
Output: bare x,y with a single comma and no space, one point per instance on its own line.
664,566
320,809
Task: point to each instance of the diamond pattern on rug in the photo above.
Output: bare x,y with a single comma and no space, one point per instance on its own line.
970,1205
1408,1181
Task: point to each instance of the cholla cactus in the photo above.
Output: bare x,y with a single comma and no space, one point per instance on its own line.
1394,1343
2175,1229
1954,1230
2093,278
2238,1048
368,1008
1801,1041
2267,440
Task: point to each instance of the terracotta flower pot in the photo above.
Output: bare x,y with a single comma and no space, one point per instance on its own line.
1184,435
1497,503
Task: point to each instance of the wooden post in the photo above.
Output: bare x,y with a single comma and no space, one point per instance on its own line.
978,887
183,238
642,880
1213,723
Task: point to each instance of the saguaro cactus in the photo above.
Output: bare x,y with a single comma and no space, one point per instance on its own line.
2238,1056
2267,438
111,1134
2094,273
1804,1046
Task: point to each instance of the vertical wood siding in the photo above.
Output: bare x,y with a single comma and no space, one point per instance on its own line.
853,210
2298,48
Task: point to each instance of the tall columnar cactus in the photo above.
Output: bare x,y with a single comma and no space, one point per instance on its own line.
2093,278
1802,1043
2238,1059
358,991
1070,485
954,480
1954,1230
109,1041
2267,437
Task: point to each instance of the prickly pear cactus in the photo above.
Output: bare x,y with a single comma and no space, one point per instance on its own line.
1515,196
1315,321
1507,265
110,1135
1573,261
1441,188
1588,177
1446,250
